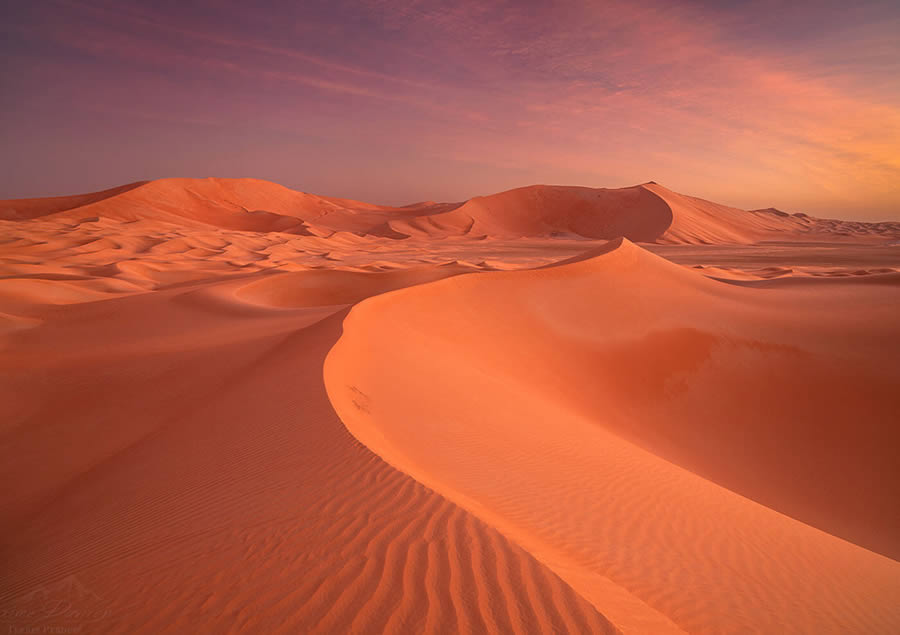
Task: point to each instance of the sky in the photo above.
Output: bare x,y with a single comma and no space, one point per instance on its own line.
794,105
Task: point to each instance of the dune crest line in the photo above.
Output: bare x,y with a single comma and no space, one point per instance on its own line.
230,495
613,439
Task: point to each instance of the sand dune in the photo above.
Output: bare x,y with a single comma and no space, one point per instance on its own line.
23,209
235,204
226,406
616,415
644,213
552,211
186,468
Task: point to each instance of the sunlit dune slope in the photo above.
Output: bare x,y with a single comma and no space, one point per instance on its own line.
235,204
686,453
644,213
175,467
697,221
542,210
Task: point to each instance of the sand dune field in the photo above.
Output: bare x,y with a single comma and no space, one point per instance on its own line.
227,406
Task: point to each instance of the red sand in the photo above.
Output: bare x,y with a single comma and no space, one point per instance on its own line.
643,213
613,442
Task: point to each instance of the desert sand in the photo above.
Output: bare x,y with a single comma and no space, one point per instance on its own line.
227,406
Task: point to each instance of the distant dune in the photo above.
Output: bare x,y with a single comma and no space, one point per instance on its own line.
648,213
227,406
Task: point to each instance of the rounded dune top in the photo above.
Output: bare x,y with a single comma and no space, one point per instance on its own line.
242,204
549,210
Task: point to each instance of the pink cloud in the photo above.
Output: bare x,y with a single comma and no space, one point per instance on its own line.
621,91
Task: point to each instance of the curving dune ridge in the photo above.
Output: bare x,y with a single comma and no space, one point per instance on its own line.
618,416
179,469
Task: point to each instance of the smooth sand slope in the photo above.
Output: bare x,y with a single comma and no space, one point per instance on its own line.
616,415
615,443
234,204
173,465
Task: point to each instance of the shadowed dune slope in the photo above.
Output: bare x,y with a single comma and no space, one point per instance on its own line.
177,468
684,452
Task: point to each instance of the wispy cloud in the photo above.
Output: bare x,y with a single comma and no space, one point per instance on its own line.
745,102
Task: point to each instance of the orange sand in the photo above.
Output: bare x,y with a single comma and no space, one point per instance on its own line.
519,428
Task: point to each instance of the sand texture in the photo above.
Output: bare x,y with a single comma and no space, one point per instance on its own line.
227,406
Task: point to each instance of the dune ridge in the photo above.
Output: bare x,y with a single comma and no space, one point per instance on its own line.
205,483
648,213
236,204
620,442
